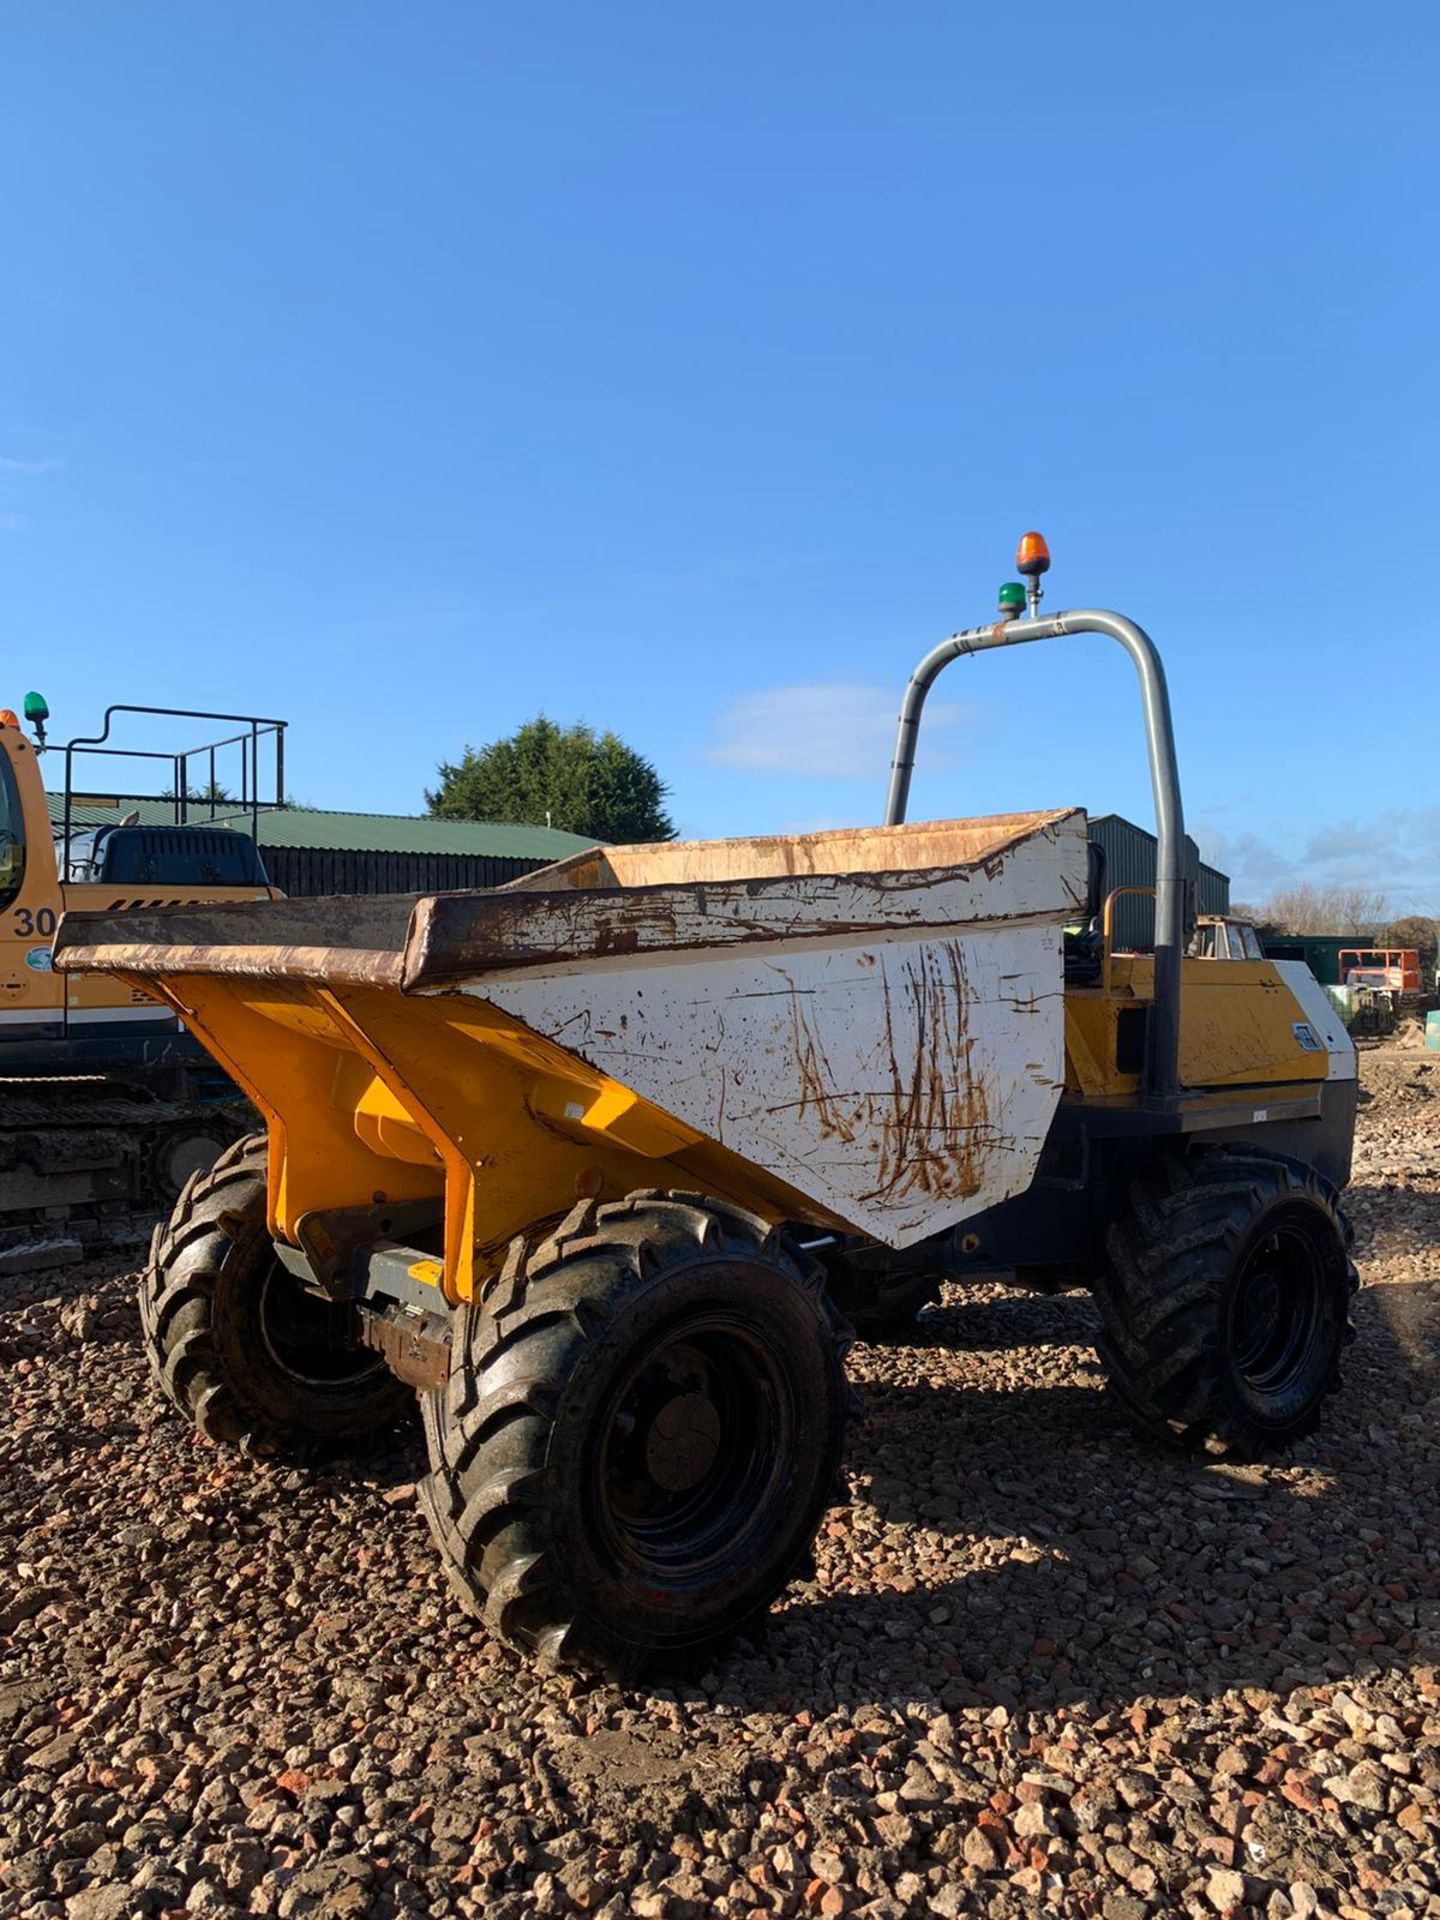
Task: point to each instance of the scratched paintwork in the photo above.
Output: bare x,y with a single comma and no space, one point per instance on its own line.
896,1052
901,1086
357,938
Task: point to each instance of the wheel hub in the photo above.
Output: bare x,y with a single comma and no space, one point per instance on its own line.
309,1339
1276,1312
1260,1309
682,1443
693,1448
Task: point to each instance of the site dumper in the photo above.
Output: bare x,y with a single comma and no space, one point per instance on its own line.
594,1161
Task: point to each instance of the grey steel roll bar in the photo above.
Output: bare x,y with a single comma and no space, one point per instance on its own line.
1162,1048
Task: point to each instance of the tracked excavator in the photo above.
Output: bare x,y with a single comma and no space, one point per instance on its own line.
106,1103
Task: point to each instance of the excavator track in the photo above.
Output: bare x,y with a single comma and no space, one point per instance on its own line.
88,1164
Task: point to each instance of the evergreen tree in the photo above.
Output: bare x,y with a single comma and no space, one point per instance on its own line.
566,777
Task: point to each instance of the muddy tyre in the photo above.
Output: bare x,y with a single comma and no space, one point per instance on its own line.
236,1343
642,1426
1225,1304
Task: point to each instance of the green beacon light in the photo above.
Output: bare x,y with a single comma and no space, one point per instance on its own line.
37,712
1012,600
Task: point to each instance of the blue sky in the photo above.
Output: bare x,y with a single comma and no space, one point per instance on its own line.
691,368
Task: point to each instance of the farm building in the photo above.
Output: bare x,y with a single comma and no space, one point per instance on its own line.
309,852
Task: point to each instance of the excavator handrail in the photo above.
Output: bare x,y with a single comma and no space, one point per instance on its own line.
255,727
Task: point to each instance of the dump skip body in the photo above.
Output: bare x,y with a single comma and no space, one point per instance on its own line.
860,1029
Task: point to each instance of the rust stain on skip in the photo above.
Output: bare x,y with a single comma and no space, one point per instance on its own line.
818,1094
341,964
933,1120
936,1122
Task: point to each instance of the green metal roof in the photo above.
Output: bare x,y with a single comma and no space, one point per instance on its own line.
352,832
400,833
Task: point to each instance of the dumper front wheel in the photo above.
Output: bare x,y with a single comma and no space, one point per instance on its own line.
642,1427
235,1341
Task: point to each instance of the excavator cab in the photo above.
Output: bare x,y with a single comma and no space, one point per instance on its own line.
167,856
12,835
108,1103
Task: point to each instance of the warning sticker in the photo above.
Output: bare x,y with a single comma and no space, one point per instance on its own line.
1307,1036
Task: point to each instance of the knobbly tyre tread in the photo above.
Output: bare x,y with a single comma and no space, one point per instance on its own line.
488,1438
1160,1294
178,1361
196,1252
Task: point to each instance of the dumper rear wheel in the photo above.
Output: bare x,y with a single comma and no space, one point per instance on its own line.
642,1427
235,1341
1225,1304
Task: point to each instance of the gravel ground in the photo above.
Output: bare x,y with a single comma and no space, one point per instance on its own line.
1042,1666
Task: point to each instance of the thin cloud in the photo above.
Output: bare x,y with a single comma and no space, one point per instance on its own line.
12,470
1254,865
1404,837
1397,852
833,730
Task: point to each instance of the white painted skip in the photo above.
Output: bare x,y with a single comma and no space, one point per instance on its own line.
904,1078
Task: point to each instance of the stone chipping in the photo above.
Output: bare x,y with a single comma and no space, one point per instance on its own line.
1042,1666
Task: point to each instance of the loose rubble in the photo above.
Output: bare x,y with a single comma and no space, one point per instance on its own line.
1041,1666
